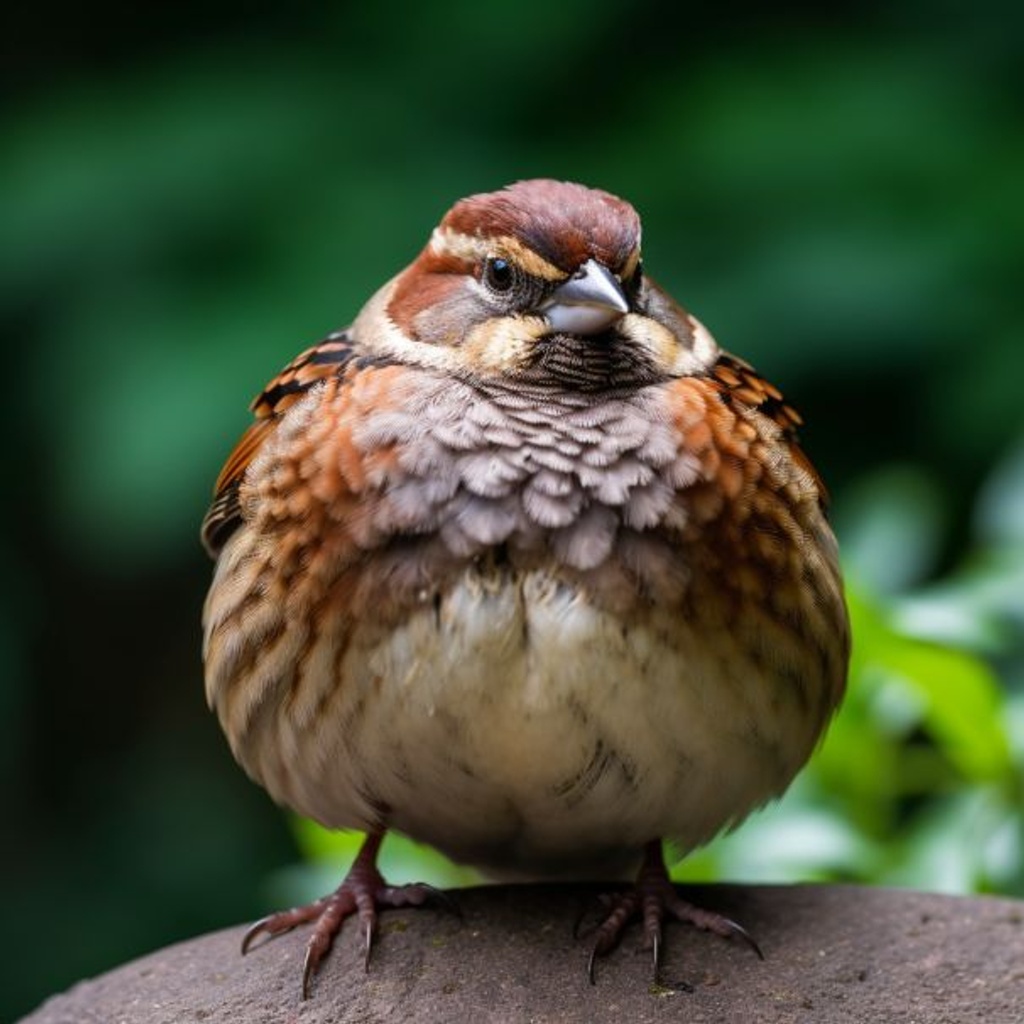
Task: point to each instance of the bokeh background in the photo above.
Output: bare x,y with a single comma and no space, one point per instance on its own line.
191,193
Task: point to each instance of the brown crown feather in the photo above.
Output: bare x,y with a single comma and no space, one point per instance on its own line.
564,223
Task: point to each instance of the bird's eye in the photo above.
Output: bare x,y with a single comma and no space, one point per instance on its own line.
498,274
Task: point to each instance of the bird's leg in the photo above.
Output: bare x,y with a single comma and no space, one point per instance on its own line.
362,892
653,898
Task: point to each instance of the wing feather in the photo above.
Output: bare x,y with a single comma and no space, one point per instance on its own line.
315,364
737,380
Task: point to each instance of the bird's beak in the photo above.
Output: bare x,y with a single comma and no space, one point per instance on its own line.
589,302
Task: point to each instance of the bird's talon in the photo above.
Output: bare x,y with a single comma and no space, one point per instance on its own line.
654,898
367,947
738,931
254,930
309,964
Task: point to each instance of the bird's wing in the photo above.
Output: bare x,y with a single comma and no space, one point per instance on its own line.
324,360
737,381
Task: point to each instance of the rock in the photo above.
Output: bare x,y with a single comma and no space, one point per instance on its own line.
832,953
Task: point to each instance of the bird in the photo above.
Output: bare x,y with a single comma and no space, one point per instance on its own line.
524,566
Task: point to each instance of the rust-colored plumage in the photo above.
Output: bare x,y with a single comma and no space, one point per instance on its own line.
524,566
563,223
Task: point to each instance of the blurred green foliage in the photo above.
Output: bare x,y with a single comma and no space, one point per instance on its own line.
190,195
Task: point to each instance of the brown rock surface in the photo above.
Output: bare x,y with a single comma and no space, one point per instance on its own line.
833,953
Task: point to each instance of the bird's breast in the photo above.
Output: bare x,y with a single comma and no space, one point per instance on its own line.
514,724
535,631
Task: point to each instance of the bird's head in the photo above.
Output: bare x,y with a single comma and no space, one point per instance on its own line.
543,282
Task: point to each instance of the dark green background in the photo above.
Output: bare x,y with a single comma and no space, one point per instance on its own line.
190,195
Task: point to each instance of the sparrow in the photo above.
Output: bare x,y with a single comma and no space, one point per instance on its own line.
523,566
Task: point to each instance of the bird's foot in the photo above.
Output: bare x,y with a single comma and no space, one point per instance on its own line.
362,893
653,898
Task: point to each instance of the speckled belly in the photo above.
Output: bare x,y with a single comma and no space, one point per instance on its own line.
516,726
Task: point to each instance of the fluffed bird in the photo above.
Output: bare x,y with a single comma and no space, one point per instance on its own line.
524,566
